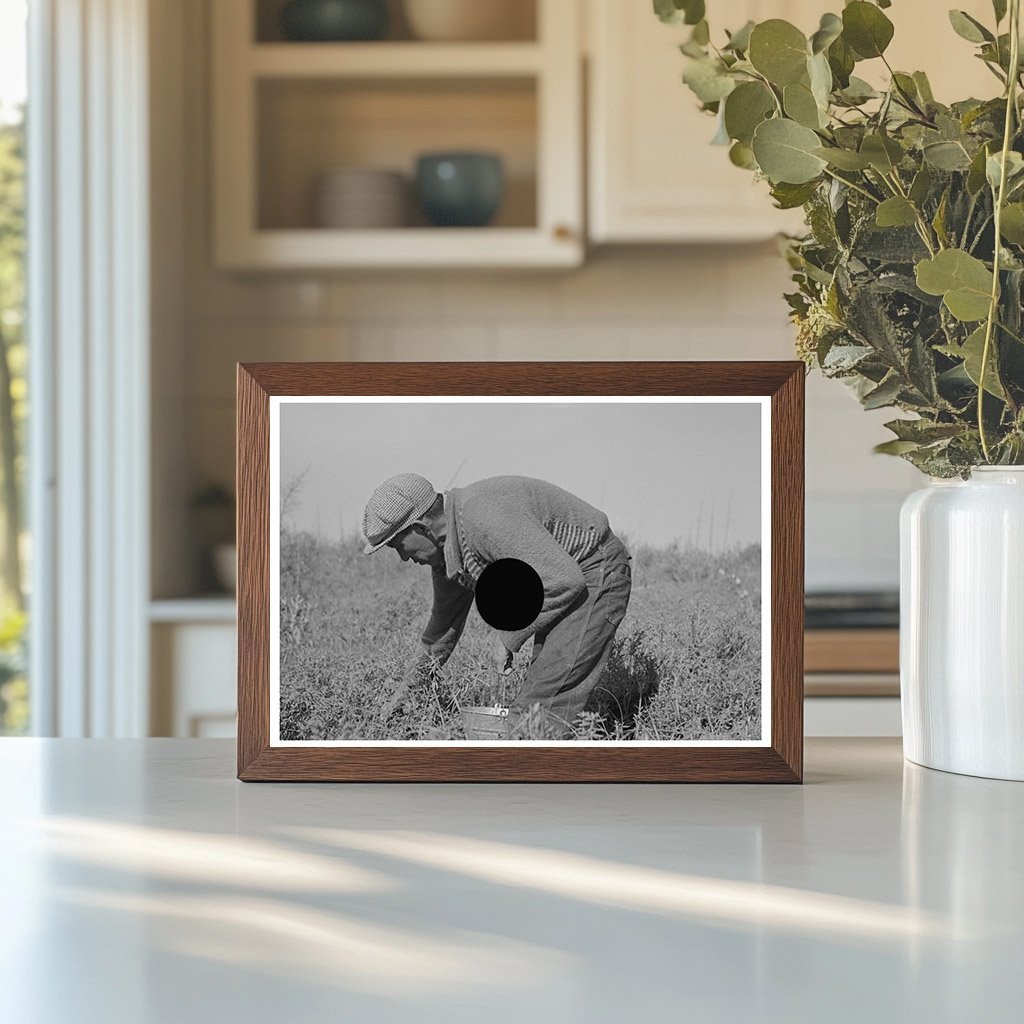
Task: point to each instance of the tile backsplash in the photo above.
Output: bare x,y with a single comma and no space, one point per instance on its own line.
718,302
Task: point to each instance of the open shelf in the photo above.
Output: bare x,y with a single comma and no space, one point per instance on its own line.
287,113
406,248
308,127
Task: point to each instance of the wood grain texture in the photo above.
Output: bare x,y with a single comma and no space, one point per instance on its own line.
787,493
781,762
252,487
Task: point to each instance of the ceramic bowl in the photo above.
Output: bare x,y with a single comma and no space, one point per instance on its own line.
334,20
469,20
358,197
460,189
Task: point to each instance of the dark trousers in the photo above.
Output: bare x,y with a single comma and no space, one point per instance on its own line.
568,658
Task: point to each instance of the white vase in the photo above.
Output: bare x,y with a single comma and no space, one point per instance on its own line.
962,624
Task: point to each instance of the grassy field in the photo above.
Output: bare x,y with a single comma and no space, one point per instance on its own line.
689,648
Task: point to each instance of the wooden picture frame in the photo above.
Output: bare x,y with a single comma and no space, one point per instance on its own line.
777,758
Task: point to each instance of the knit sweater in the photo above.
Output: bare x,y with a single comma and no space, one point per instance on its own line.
538,523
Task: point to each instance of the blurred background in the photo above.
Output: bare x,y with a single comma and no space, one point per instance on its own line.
248,180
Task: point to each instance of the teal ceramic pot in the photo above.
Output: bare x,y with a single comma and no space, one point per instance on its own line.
334,20
460,189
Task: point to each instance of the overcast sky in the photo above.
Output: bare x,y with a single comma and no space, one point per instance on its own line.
659,471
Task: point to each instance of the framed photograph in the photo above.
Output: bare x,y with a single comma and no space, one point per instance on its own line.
520,572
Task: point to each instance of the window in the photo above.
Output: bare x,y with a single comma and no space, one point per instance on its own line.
14,548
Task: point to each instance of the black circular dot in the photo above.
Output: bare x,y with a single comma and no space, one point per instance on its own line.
509,594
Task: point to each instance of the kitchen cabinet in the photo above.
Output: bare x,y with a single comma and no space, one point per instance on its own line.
286,113
653,175
852,682
193,673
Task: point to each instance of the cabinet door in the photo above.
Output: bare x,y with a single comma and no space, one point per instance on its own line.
653,174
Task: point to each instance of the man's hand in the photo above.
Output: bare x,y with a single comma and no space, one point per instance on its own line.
416,679
503,659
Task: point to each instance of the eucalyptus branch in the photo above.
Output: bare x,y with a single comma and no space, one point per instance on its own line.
923,227
853,185
889,286
1000,199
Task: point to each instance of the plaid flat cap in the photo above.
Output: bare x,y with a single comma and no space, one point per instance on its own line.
396,503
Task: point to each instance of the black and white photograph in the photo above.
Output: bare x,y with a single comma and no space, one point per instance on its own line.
494,570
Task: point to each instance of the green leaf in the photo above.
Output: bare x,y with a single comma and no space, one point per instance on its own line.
668,11
858,91
742,155
1012,224
924,87
789,197
778,50
841,60
697,45
999,7
821,220
997,53
883,153
976,174
676,12
739,41
746,107
896,212
1014,169
830,29
785,152
971,352
800,105
708,80
906,89
885,394
967,304
694,11
921,186
844,159
968,28
946,156
820,76
963,281
866,29
923,431
895,447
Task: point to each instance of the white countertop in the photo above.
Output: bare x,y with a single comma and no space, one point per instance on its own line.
143,884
